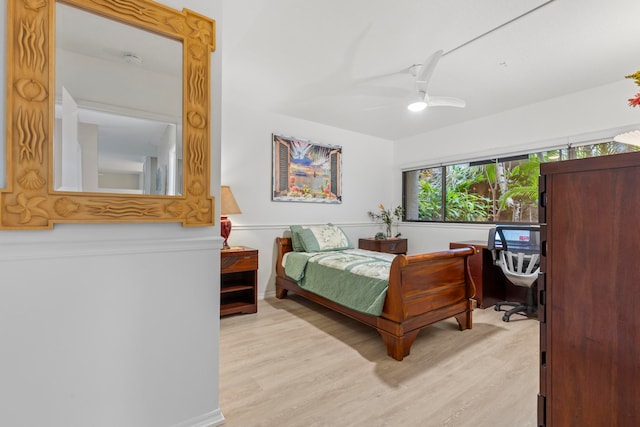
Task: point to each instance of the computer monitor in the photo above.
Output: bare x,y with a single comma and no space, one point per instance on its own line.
518,238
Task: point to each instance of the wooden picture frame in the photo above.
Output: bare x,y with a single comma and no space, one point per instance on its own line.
29,200
306,171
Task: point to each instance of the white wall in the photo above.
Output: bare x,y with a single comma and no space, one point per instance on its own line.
247,168
88,139
372,168
112,324
78,71
597,112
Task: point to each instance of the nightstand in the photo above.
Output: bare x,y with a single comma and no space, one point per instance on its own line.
238,280
390,246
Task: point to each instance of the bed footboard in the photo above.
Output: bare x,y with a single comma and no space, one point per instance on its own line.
423,289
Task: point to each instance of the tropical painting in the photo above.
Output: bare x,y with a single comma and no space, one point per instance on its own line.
305,171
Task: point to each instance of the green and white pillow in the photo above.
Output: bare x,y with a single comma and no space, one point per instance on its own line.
296,240
319,238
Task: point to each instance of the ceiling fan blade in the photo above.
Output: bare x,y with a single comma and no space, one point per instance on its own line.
425,72
378,91
445,101
380,107
383,76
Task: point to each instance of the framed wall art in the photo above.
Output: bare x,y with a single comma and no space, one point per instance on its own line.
306,171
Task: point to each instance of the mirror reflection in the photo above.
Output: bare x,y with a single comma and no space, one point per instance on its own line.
118,113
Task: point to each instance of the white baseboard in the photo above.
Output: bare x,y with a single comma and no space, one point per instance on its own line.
210,419
271,293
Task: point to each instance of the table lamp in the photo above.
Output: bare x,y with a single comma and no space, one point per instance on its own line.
228,206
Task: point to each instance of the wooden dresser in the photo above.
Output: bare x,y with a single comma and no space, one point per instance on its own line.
589,292
238,280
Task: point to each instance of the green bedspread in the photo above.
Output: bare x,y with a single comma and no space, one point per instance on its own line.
354,278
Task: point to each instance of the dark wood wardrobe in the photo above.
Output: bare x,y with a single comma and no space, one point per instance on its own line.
589,292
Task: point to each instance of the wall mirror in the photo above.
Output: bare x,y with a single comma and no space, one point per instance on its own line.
108,113
109,109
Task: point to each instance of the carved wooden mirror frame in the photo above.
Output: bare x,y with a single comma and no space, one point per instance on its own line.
29,200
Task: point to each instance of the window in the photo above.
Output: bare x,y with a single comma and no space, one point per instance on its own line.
493,190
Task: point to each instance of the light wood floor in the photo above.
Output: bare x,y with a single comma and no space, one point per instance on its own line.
296,364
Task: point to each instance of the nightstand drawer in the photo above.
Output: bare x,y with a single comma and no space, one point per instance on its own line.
239,261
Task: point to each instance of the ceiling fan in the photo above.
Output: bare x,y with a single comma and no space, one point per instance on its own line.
422,74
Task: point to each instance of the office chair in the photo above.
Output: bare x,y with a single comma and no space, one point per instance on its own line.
519,259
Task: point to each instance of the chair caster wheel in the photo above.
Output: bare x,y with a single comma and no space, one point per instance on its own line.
505,318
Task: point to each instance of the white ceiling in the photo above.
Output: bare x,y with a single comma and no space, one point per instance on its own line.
93,36
323,60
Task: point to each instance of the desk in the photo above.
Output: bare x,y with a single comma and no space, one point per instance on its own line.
491,285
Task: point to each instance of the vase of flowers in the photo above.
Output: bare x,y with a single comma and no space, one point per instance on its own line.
387,216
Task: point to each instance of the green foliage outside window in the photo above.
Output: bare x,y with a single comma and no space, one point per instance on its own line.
430,198
503,190
463,201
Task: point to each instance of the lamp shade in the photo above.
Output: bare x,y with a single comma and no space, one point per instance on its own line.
228,204
631,138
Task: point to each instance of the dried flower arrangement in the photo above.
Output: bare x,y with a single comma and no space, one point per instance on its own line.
387,216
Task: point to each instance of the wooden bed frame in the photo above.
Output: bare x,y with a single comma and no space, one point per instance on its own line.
423,289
